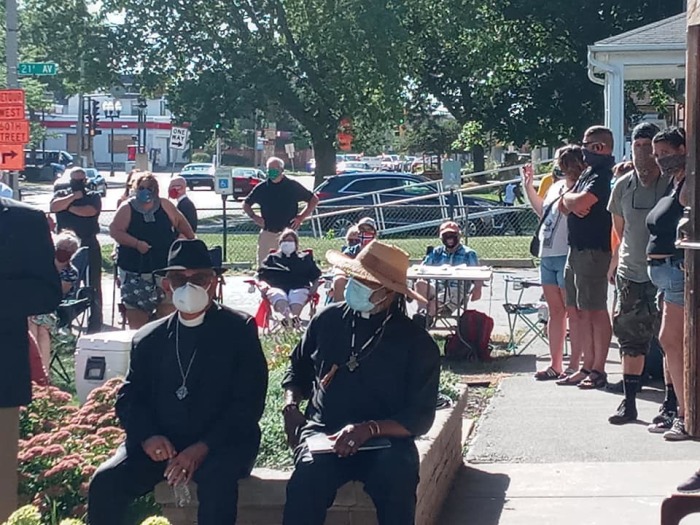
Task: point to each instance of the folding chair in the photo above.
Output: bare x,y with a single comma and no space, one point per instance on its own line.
74,311
267,319
216,254
527,314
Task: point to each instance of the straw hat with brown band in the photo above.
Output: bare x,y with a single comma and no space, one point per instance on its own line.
378,263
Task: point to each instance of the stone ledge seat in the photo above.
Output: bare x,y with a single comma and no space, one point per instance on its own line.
261,496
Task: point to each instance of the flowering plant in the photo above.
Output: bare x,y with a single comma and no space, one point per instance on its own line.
30,515
62,445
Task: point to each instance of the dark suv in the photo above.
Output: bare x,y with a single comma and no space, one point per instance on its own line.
408,216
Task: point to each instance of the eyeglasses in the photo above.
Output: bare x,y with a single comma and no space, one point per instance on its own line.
593,146
178,279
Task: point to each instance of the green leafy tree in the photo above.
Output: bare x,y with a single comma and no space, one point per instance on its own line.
77,40
318,60
519,68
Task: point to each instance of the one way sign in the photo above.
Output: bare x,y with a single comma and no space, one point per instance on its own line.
178,138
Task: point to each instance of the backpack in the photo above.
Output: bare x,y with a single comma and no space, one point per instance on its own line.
475,328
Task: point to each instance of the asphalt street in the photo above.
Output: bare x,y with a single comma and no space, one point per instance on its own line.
206,200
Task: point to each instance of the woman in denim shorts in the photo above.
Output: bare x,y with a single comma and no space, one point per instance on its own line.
554,246
665,265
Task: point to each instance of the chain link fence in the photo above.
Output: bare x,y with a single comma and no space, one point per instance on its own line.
496,233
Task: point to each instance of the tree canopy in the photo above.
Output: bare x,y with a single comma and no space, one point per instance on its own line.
319,60
516,67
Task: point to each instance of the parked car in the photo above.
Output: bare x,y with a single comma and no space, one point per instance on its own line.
349,166
199,174
95,182
358,186
244,180
45,165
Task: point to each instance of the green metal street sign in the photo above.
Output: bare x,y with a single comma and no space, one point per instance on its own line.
37,68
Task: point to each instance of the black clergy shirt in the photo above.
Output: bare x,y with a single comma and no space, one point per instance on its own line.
227,383
398,380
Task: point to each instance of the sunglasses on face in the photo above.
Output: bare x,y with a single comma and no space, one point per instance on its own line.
180,279
593,146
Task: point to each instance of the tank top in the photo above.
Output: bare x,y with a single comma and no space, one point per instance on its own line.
662,223
159,234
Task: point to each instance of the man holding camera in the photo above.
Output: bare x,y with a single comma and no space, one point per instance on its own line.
78,209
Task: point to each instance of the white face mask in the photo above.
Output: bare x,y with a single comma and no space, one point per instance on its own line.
288,247
190,298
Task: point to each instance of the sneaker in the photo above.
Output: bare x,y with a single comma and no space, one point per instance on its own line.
664,415
661,426
677,432
692,484
626,413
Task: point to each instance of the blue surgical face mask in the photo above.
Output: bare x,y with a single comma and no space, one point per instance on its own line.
594,159
144,195
357,296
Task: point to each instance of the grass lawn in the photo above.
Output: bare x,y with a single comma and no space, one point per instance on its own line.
242,248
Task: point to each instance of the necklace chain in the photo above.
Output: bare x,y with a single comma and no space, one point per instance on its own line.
354,360
182,392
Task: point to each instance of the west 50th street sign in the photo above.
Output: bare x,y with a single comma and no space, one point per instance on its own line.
14,129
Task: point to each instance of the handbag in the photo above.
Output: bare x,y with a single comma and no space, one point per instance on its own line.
535,241
141,292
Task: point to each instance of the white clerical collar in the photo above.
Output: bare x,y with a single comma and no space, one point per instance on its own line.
191,323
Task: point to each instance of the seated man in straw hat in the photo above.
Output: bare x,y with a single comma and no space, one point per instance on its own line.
371,376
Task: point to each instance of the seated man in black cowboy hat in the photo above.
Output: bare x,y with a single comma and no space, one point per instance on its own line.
191,401
371,376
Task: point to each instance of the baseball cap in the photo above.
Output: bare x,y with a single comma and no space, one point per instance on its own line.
449,226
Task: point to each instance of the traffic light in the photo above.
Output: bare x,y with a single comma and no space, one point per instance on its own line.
95,113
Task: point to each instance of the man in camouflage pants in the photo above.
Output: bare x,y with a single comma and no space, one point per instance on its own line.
636,318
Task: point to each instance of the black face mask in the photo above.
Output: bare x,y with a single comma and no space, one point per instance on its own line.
77,185
450,241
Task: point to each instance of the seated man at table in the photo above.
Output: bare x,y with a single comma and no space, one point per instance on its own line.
452,253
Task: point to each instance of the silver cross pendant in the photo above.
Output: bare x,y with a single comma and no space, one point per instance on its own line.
181,393
353,363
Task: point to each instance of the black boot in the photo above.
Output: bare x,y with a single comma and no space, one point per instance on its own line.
627,411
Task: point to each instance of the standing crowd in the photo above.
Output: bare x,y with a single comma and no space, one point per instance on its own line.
604,225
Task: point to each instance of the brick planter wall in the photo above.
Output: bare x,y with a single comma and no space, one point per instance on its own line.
261,496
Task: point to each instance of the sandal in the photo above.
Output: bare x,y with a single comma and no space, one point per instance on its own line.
566,373
547,375
594,381
572,380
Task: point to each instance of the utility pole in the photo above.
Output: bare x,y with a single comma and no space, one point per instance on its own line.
11,58
691,345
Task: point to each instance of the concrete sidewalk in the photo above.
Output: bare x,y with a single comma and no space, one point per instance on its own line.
545,454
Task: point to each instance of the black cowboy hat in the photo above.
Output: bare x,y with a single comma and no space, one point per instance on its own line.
189,254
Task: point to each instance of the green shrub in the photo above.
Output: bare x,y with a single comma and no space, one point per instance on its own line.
201,157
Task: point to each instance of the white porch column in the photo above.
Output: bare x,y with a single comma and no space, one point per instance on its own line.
614,94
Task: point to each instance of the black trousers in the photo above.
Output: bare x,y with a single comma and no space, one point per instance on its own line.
390,477
95,260
123,478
